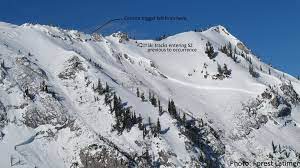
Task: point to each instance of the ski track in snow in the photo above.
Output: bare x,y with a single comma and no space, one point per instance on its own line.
211,87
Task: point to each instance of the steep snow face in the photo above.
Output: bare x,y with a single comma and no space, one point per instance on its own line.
53,112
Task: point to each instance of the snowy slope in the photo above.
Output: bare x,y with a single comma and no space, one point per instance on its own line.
70,123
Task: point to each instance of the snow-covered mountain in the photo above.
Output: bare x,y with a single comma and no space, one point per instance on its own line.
69,99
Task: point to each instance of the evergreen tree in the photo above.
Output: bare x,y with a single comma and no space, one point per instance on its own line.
172,109
183,119
159,108
116,105
134,119
220,70
137,92
253,72
144,131
201,124
2,64
147,157
149,121
234,57
250,60
209,50
158,127
106,88
169,106
143,97
225,68
269,71
140,124
27,94
127,120
44,87
99,87
274,147
106,98
279,148
242,54
230,52
227,72
229,48
153,100
149,96
224,50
